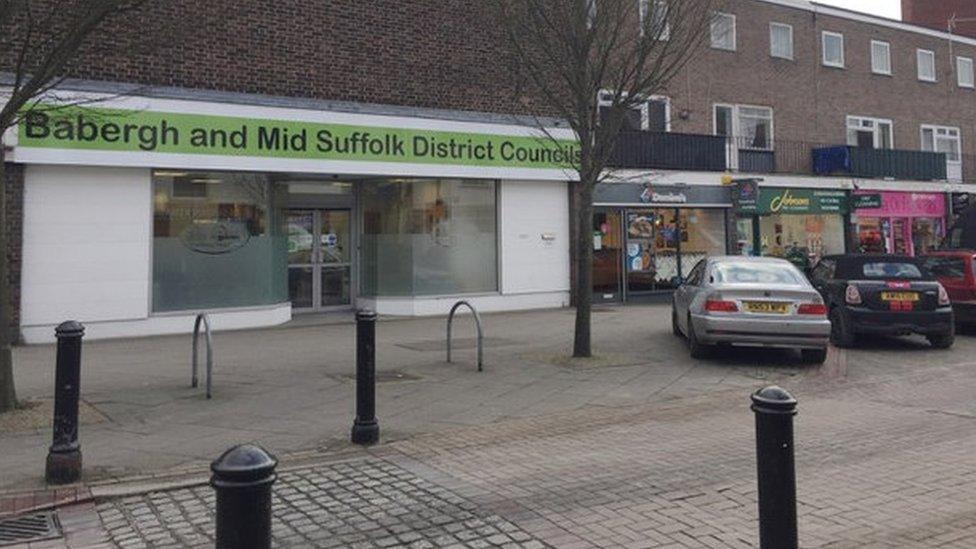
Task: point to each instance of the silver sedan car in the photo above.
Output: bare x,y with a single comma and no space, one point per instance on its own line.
754,301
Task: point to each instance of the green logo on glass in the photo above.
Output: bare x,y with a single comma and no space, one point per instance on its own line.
102,129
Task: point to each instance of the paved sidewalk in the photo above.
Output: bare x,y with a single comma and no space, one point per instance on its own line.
292,388
885,462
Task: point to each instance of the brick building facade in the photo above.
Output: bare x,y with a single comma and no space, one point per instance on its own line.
744,108
959,15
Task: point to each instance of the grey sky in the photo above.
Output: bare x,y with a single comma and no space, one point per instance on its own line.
885,8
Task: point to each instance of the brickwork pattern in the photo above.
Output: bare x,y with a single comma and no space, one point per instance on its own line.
362,503
881,462
14,186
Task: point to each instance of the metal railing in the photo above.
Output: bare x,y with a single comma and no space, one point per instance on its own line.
668,150
758,154
477,323
205,320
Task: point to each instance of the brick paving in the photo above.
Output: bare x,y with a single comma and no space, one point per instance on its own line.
367,502
882,462
648,449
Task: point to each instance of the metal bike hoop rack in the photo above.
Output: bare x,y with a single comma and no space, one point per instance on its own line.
205,319
477,323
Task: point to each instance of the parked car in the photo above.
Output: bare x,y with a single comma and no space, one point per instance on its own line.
956,271
753,301
883,294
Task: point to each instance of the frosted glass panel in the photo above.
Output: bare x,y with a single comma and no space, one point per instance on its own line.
429,237
216,242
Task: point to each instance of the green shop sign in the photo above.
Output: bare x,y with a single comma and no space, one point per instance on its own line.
796,201
865,201
103,129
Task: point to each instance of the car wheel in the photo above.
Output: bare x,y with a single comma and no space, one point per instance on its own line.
697,348
675,329
813,356
942,341
840,333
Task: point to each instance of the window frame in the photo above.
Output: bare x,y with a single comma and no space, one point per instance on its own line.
935,129
645,109
972,73
918,65
736,126
887,46
711,31
823,50
646,8
787,26
876,129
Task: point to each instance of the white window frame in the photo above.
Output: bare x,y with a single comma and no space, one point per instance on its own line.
823,49
959,72
711,31
646,8
645,111
877,122
887,49
736,129
918,65
947,130
772,52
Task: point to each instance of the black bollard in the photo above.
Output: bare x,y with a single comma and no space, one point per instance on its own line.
242,478
775,408
365,429
64,457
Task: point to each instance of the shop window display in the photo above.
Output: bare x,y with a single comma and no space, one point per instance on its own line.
801,239
899,235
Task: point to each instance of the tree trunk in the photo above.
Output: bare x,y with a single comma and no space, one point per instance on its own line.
584,269
8,396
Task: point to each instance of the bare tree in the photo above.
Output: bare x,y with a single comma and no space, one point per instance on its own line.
40,40
591,63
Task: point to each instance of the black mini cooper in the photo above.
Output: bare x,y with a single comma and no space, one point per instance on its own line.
883,294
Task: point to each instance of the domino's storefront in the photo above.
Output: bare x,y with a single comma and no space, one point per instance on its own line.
141,212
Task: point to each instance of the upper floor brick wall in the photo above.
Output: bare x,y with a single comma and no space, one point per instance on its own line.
448,54
424,53
811,101
936,14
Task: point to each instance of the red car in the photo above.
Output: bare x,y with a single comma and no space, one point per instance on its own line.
955,270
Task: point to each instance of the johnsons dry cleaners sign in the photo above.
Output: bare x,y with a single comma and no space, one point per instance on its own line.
101,129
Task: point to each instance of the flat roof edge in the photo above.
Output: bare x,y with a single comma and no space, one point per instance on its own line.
265,100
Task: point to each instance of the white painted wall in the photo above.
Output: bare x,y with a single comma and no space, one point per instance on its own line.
87,256
87,237
530,264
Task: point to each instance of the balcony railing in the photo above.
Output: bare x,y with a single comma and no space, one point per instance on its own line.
669,151
885,163
677,151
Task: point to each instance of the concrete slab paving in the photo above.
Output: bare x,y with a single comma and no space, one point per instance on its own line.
291,387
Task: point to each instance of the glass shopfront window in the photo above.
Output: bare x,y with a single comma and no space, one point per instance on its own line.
802,239
651,249
216,241
428,237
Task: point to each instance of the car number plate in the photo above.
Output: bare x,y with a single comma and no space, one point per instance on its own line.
899,296
767,307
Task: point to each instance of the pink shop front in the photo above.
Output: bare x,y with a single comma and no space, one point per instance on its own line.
898,222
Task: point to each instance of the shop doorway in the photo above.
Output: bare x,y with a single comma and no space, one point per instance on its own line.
647,251
319,258
608,256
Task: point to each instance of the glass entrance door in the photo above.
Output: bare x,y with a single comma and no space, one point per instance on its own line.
319,258
608,245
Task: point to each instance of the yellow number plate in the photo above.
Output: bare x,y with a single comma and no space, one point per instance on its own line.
899,296
767,307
